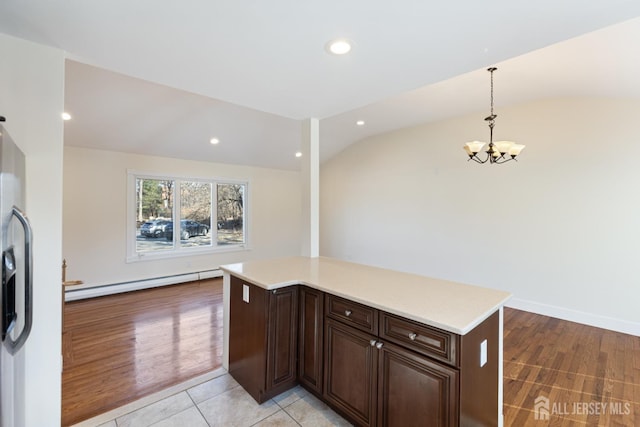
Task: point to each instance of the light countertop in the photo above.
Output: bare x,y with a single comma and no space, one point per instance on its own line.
454,307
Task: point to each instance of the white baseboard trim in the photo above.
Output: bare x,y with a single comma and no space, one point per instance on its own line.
78,292
618,325
210,274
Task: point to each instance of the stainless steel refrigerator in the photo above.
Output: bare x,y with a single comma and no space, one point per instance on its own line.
16,295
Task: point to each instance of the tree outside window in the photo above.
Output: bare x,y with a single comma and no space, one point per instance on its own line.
231,214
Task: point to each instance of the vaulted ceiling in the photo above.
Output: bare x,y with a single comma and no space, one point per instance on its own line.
161,78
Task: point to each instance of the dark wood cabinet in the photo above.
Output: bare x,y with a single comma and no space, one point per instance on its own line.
282,343
310,341
351,372
353,314
247,337
263,338
432,342
479,384
414,390
373,367
374,382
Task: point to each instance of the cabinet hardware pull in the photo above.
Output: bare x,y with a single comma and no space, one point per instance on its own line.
372,342
347,313
379,345
412,336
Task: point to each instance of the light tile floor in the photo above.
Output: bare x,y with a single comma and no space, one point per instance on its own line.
222,402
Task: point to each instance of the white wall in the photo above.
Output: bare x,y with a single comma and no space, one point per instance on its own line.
31,98
560,229
95,215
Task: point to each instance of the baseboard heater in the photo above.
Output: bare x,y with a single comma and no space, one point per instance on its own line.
73,293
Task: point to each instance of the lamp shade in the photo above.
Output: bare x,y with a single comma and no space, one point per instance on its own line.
503,146
516,149
474,147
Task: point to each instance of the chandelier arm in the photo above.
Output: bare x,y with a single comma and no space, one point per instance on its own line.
504,160
477,159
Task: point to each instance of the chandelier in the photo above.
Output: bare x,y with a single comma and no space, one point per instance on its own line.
497,152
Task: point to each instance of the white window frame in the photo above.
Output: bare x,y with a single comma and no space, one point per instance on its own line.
178,251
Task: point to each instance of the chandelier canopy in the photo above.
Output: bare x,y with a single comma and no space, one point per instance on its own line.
496,152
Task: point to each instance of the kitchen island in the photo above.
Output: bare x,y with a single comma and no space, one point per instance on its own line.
380,346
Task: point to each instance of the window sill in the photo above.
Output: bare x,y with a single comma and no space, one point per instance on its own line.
162,255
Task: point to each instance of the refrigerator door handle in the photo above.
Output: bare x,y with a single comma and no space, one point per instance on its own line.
14,346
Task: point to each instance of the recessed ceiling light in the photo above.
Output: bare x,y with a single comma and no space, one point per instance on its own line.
360,122
66,116
214,141
338,46
298,154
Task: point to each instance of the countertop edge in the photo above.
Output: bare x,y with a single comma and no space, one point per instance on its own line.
460,331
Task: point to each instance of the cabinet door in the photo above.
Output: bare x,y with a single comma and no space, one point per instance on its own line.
282,342
350,377
310,362
247,336
414,390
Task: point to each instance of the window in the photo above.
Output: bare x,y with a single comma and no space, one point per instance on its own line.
170,216
230,201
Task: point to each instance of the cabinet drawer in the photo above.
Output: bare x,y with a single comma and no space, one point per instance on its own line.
421,338
351,313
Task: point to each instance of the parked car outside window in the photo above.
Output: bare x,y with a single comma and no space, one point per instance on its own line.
188,228
155,228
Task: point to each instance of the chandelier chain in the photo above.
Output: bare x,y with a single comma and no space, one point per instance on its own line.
492,92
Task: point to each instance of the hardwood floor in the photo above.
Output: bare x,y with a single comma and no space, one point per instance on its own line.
578,368
121,347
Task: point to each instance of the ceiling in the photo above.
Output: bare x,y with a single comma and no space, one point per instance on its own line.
161,78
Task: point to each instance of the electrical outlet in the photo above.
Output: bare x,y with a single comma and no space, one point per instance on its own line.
245,293
483,353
